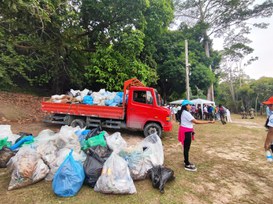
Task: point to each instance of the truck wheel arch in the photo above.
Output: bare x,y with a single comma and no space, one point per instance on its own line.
151,128
78,122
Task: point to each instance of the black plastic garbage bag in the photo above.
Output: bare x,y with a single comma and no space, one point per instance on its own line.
93,164
24,134
159,176
5,155
102,152
94,132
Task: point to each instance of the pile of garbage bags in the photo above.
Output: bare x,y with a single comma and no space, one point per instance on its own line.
74,156
86,96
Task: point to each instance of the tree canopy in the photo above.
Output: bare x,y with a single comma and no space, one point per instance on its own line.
61,44
77,43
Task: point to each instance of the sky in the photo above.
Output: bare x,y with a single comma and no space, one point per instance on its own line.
262,43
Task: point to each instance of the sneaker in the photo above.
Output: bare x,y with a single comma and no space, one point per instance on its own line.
189,164
269,156
190,167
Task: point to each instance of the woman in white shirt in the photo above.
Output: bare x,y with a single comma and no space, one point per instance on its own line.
186,132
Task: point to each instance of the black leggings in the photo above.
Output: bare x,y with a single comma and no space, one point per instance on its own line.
187,145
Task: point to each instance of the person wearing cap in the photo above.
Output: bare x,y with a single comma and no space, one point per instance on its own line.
269,137
186,132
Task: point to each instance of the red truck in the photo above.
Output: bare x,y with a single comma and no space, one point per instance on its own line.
141,110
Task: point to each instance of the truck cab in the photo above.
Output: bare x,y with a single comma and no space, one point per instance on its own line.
144,111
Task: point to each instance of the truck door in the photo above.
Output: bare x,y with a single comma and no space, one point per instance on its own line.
139,108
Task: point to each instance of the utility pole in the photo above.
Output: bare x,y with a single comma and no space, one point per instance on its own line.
187,71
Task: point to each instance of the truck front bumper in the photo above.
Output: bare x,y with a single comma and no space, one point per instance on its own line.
168,127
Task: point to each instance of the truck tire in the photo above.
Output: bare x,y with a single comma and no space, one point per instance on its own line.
68,119
151,128
78,122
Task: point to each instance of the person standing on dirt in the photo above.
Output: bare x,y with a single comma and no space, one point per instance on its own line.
186,132
251,113
228,116
269,137
200,115
222,112
210,111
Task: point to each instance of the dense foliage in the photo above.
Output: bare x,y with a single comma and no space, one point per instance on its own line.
61,44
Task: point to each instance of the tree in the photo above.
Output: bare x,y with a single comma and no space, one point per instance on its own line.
226,19
248,92
170,66
170,57
263,89
121,37
39,43
63,43
112,65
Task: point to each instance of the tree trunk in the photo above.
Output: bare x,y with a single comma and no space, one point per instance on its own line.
210,93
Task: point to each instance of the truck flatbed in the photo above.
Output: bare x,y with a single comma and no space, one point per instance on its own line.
84,110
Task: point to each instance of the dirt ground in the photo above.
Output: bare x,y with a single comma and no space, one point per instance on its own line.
230,158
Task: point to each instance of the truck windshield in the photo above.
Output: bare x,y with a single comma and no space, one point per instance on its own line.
158,98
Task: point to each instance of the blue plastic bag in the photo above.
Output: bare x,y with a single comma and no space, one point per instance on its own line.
69,178
87,100
25,140
82,134
117,99
109,102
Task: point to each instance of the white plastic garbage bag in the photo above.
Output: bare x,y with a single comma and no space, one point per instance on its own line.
134,156
67,138
5,131
27,168
144,156
153,150
115,142
115,177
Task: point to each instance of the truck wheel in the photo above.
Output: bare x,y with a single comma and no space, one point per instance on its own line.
152,128
78,122
68,119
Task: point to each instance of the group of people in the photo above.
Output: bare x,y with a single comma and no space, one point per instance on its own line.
245,112
210,112
186,130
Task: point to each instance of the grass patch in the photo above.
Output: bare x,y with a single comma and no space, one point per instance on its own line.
231,169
